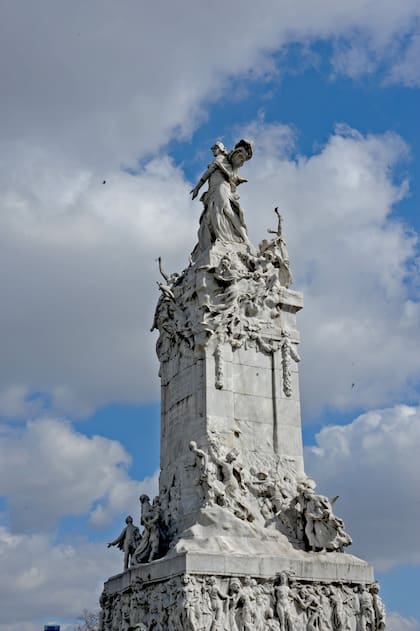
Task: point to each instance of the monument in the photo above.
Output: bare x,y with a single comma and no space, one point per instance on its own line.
237,539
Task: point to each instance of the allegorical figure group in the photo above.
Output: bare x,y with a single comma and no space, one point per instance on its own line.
199,603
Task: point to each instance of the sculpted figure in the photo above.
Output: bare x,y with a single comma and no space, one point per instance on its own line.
217,600
366,610
284,599
190,598
174,610
338,604
116,612
288,353
250,588
125,612
276,251
148,550
326,610
213,490
105,616
323,530
234,485
127,541
222,218
139,600
379,608
314,609
240,612
262,608
271,622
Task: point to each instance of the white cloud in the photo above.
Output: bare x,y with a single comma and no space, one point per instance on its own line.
396,622
350,256
373,463
406,69
105,82
354,57
48,471
77,311
78,269
42,580
77,257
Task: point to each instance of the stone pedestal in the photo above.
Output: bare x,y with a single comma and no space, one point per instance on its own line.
231,592
237,539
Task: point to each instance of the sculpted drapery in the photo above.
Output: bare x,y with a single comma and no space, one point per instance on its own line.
222,218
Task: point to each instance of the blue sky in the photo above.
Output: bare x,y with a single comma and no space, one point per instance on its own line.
99,93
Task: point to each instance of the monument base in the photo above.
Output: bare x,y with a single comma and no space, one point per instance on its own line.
202,591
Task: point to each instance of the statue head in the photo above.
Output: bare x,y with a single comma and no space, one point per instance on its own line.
232,455
128,519
374,588
241,153
192,445
144,498
235,585
283,577
218,148
246,146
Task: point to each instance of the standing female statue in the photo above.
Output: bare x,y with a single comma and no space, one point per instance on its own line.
222,218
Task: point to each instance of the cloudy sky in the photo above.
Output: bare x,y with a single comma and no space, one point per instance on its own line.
108,111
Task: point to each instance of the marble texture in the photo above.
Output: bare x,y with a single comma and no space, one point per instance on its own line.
238,538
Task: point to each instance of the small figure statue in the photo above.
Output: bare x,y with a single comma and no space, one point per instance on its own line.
240,610
288,353
366,610
127,541
149,547
212,489
284,603
278,250
323,530
379,608
313,609
338,605
217,600
233,480
190,599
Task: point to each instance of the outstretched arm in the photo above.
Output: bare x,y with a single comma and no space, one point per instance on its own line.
203,179
118,540
162,271
216,164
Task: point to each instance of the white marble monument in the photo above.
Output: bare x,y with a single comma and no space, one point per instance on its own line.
238,539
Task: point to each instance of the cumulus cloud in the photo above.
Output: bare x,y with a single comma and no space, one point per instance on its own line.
396,622
85,95
76,317
106,82
78,269
405,69
373,463
57,580
350,256
48,471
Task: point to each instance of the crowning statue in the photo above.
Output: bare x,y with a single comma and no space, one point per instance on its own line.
223,218
237,538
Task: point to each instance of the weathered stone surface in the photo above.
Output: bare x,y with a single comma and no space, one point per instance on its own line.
241,601
237,539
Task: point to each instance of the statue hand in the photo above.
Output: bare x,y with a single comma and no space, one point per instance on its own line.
194,193
109,545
